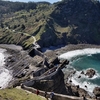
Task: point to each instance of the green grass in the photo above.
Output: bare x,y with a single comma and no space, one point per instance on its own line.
28,42
18,94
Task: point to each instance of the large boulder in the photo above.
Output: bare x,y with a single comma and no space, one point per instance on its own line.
76,91
96,91
90,73
83,92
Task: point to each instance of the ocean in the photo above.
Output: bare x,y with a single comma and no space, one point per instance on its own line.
82,60
5,74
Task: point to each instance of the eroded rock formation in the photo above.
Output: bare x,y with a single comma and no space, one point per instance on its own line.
96,91
90,73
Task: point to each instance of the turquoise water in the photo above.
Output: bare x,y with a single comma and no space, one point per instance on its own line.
88,61
81,60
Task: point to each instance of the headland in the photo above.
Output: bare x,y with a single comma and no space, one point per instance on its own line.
42,70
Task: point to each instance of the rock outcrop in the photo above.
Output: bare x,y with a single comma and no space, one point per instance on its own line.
64,22
96,91
76,91
90,73
53,83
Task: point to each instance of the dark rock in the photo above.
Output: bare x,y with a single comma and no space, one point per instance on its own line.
78,86
90,73
55,83
79,76
55,61
11,59
51,65
85,86
96,91
75,91
38,61
74,72
82,72
97,98
70,81
83,92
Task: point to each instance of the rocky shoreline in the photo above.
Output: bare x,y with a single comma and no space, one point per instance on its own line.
35,63
67,48
75,90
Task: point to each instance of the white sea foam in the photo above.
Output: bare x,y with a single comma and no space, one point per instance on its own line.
5,78
2,57
5,75
83,82
97,75
75,53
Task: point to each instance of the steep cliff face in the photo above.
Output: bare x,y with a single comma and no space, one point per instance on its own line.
54,83
78,21
64,22
75,21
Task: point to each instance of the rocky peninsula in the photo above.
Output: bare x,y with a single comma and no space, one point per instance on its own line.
36,69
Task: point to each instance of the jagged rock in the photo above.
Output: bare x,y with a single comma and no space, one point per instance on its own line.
82,72
55,60
90,73
79,76
55,83
74,72
75,91
70,81
38,61
85,86
83,92
96,91
11,59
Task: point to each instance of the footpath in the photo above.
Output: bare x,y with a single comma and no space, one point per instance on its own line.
19,87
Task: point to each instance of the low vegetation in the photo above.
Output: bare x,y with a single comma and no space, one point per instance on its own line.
64,22
18,94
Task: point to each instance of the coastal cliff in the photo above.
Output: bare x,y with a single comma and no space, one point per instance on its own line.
39,77
61,23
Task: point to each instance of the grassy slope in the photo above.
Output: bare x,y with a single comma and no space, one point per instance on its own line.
38,22
34,21
61,23
18,94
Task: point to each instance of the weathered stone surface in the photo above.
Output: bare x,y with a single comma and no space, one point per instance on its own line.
82,92
90,73
79,76
82,72
76,91
38,61
96,91
55,83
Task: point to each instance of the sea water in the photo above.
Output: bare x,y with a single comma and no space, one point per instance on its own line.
81,60
5,75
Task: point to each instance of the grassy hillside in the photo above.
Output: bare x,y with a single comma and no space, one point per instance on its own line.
32,22
65,22
18,94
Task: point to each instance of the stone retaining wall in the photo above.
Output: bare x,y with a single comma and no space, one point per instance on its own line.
56,96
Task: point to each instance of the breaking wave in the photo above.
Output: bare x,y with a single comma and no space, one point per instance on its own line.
5,75
82,60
